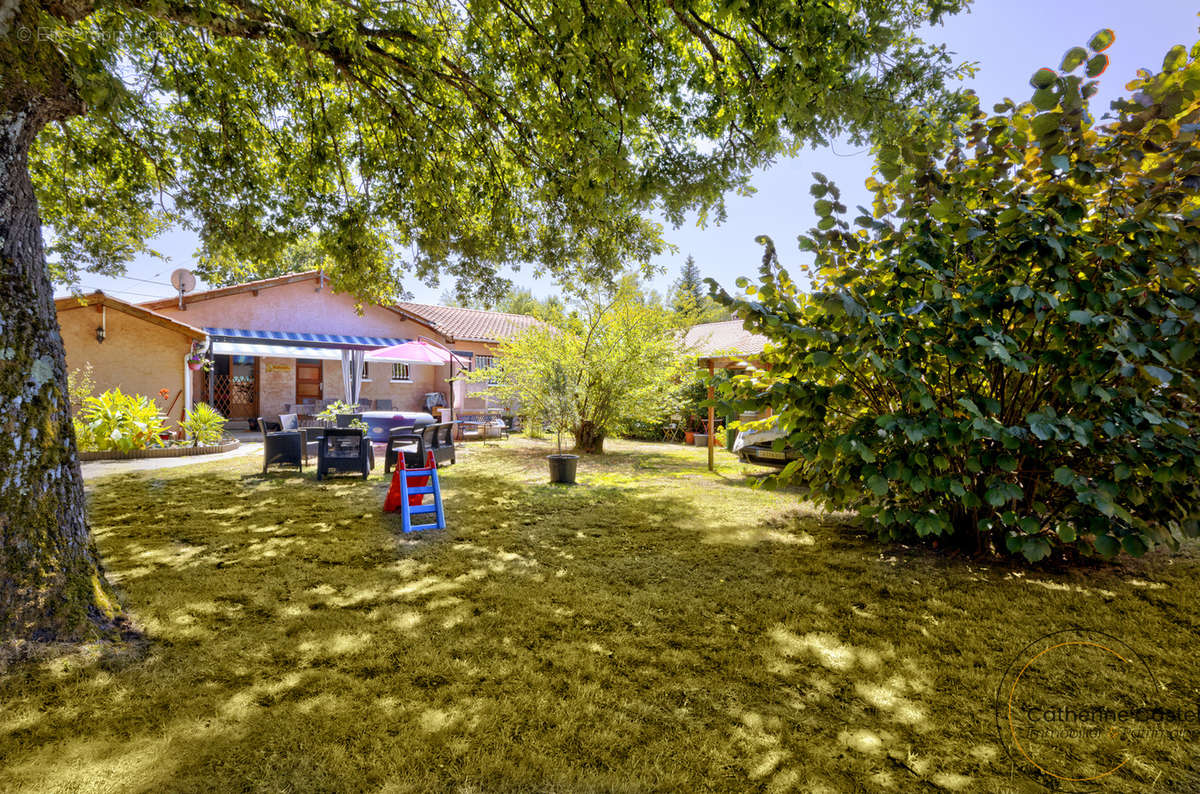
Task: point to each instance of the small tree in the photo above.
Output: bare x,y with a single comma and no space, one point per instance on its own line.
557,404
621,355
1005,353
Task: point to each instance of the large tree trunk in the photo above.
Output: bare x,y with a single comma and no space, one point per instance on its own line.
589,438
52,587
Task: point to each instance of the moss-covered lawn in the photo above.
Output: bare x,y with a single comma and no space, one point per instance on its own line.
656,628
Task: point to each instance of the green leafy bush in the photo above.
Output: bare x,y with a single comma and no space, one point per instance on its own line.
1003,354
204,425
118,421
641,430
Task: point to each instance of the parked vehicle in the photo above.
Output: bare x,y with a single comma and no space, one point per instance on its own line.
757,447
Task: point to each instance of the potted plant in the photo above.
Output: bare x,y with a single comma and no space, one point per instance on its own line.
558,409
196,359
332,411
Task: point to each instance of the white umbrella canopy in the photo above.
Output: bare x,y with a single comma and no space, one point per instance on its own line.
417,352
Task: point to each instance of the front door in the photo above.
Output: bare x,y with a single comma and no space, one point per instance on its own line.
234,386
308,379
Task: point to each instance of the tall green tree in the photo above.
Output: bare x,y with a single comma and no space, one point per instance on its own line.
690,298
470,136
689,289
1003,354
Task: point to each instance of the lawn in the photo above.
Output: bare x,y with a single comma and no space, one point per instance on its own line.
655,628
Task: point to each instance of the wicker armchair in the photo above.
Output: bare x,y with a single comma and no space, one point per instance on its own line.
286,447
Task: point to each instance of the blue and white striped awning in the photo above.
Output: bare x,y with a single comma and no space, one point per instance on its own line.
292,344
301,340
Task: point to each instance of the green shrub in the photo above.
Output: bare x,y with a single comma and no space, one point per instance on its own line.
118,421
81,384
641,430
1004,354
204,425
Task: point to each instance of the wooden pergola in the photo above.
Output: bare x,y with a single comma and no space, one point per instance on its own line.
713,362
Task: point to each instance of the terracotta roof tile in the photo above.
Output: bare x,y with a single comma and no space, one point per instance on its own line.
729,336
471,325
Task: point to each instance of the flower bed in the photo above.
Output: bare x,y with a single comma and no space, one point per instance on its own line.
161,452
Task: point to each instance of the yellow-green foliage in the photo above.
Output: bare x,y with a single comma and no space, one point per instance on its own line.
118,421
204,425
81,383
656,628
616,356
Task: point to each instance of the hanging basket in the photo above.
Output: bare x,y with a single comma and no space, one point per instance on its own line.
196,364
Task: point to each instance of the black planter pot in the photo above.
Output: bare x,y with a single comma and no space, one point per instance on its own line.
562,468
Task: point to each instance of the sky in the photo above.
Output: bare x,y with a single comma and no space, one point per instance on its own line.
1007,40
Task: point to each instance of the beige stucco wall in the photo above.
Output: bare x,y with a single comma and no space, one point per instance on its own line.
277,385
136,356
404,396
299,307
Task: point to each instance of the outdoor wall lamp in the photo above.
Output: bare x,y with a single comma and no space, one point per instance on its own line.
100,333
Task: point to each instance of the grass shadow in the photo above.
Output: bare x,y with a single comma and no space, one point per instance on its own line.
642,631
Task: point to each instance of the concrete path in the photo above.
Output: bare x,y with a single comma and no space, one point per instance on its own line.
93,469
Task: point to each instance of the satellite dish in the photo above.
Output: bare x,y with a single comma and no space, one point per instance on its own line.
183,280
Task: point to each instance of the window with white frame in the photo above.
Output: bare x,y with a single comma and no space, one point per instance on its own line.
366,376
485,362
400,373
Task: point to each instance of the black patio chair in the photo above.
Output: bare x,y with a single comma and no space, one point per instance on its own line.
343,449
286,447
404,441
312,439
344,420
289,422
383,405
440,439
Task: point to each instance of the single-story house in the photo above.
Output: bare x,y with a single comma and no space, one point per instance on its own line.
724,345
274,343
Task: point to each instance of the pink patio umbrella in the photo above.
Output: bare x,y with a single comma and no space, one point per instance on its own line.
421,352
416,352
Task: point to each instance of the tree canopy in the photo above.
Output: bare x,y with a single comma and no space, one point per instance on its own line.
439,136
1003,352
